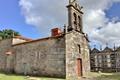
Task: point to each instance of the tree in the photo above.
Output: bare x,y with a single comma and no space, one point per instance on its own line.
8,33
1,35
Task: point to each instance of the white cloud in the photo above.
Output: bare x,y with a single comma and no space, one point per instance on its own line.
110,33
95,17
93,20
45,14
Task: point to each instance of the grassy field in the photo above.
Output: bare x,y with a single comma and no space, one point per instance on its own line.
94,76
16,77
109,77
105,76
11,77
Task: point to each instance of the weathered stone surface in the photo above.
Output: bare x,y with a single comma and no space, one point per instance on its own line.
72,54
6,61
45,58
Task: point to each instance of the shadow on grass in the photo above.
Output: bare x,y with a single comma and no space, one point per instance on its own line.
108,77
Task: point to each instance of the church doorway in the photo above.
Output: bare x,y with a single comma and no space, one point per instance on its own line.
79,67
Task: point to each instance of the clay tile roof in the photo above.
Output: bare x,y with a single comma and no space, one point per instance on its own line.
95,51
23,38
42,39
107,49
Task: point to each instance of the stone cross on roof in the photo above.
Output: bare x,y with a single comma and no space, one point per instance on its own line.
71,1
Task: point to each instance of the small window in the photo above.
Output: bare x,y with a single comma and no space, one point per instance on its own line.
79,21
79,48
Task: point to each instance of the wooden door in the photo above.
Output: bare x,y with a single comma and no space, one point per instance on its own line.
79,67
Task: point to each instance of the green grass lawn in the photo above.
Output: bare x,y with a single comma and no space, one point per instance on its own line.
109,77
11,77
105,76
95,76
16,77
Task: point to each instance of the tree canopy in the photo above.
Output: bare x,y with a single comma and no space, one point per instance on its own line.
8,33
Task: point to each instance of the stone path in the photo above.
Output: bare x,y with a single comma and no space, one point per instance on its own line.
33,78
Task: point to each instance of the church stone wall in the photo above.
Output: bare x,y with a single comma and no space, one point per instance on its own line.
42,58
73,39
5,45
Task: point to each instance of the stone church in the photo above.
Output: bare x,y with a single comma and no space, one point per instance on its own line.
64,54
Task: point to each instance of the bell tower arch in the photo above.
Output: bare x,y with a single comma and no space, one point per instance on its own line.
74,16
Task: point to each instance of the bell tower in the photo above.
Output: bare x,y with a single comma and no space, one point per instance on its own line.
76,44
74,16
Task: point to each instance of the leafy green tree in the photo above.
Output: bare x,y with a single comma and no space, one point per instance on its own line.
1,34
8,33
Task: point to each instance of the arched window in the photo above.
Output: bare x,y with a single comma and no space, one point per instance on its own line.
75,20
79,23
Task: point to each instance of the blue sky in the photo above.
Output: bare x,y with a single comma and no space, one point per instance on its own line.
114,11
12,18
35,18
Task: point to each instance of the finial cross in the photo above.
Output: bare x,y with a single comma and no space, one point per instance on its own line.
71,1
